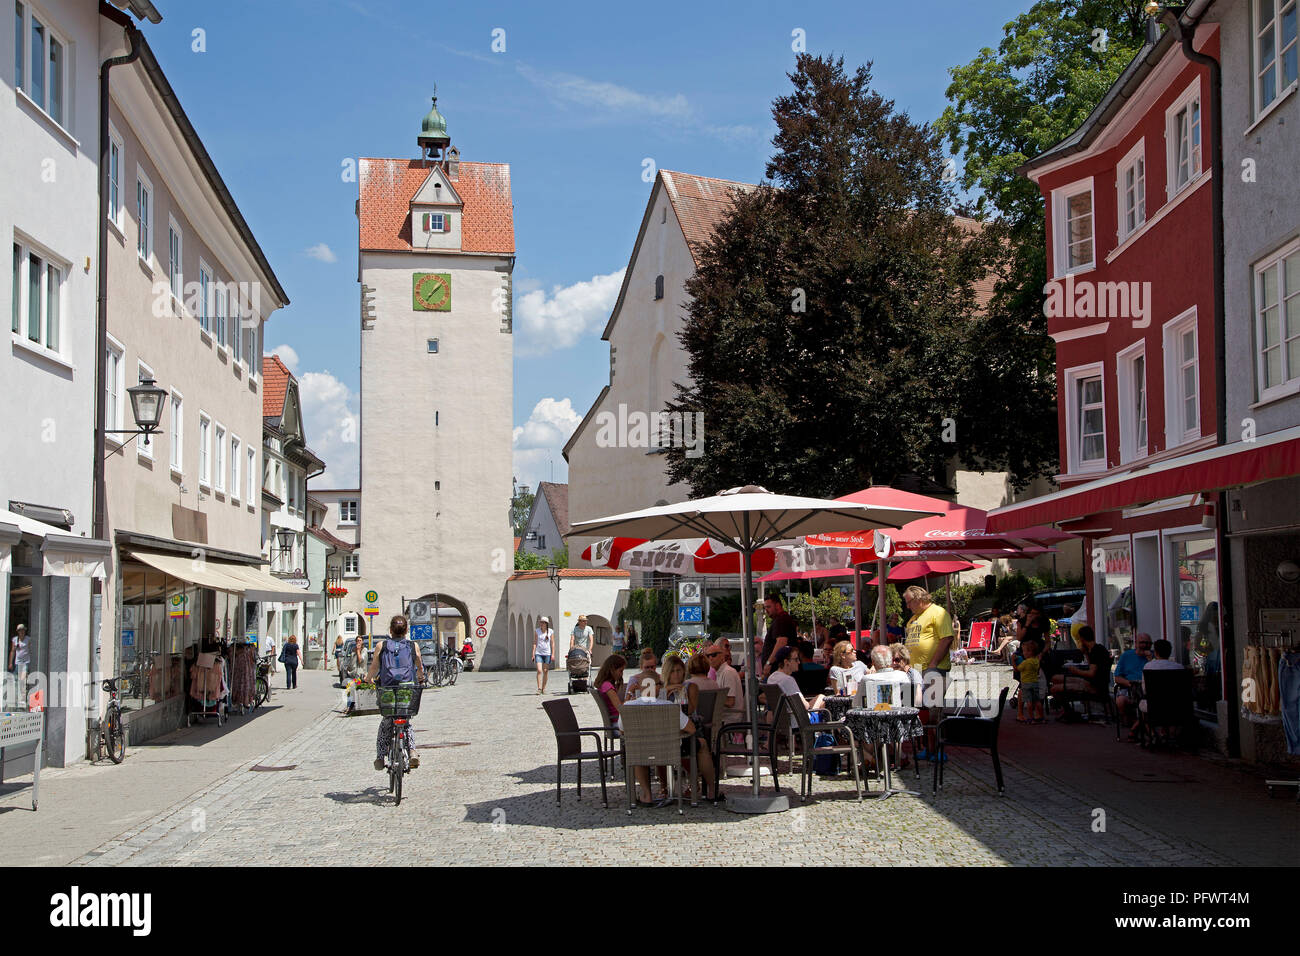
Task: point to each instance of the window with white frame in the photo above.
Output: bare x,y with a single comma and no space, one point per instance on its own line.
351,565
205,450
349,620
1132,184
1131,375
219,458
236,331
348,512
1086,418
144,446
1182,383
174,273
41,62
1072,224
205,302
114,177
113,390
252,475
219,315
38,296
1277,322
236,463
1275,49
143,216
178,433
1183,139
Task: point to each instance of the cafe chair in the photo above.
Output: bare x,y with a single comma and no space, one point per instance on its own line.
568,745
981,640
770,734
977,732
613,736
652,737
708,714
1166,705
807,732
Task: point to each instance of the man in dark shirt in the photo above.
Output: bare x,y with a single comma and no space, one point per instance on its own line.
1090,677
781,630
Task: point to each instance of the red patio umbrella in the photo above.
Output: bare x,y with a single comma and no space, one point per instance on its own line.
911,570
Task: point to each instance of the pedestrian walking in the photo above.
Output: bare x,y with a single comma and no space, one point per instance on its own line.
291,657
338,657
270,652
542,641
582,636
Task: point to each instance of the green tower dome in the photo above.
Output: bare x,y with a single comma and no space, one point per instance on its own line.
433,128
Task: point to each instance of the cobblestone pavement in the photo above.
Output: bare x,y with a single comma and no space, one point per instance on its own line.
485,794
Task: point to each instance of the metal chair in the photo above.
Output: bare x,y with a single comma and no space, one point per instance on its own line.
1168,697
808,732
652,737
769,735
568,745
977,732
612,734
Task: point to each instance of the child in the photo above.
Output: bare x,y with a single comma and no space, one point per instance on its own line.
1031,691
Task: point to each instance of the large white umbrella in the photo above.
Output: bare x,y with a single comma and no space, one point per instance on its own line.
747,519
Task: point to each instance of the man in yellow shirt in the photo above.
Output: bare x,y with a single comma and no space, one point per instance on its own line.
929,636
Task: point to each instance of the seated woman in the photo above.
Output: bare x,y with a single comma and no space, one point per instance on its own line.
609,685
690,739
845,667
1006,631
698,681
674,679
649,663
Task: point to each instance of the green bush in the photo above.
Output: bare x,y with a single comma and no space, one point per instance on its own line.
829,603
652,610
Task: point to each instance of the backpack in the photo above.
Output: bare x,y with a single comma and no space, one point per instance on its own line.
396,663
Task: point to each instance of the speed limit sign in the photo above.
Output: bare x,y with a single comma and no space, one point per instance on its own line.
481,632
480,621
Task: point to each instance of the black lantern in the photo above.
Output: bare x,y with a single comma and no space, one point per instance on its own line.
553,573
146,408
285,537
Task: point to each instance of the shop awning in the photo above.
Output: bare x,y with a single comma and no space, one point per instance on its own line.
1228,466
204,573
260,585
63,554
10,534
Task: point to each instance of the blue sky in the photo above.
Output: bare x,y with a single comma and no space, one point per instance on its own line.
583,93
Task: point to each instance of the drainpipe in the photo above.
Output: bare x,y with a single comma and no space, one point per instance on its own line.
1227,643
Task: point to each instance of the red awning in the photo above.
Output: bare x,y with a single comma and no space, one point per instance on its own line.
1227,466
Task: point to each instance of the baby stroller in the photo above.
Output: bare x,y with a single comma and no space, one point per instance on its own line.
579,665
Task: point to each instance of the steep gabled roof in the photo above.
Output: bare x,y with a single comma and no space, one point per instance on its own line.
387,187
557,499
275,385
700,203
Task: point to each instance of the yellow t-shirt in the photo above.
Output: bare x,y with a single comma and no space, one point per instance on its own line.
1028,670
924,632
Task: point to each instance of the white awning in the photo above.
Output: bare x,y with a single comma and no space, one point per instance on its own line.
63,554
10,534
261,585
200,571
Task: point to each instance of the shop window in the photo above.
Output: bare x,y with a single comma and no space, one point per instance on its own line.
1115,586
1197,617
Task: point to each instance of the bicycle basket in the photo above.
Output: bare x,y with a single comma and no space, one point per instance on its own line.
400,700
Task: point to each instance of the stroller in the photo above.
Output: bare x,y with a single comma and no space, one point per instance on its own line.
579,665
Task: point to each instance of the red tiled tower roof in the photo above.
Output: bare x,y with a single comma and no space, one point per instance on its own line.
275,384
388,185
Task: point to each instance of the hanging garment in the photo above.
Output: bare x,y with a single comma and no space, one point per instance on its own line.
1288,681
1252,681
1268,661
243,679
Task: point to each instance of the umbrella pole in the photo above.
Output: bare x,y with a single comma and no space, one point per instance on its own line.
812,602
857,605
752,802
882,574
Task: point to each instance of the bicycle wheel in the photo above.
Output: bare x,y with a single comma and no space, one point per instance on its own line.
262,693
116,736
454,670
395,767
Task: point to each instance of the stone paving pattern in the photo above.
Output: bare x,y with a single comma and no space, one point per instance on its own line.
493,802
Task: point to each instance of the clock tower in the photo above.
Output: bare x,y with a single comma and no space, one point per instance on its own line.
436,252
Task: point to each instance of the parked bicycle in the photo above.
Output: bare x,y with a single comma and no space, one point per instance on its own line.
262,685
112,733
400,702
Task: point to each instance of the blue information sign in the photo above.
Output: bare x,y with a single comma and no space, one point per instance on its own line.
690,614
1189,613
128,638
421,632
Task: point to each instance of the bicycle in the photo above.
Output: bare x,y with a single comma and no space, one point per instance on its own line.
112,734
262,684
400,702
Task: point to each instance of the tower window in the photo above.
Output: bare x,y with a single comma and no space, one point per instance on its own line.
659,287
433,346
437,486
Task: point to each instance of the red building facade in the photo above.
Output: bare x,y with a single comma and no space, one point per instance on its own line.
1131,307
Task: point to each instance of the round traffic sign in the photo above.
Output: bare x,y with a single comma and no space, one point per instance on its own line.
481,620
481,632
372,597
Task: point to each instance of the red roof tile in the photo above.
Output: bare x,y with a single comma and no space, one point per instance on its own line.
388,185
572,573
275,383
700,203
330,538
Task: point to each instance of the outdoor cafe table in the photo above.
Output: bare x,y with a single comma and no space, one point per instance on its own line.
838,705
882,728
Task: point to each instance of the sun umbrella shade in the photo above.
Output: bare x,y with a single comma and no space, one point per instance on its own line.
911,570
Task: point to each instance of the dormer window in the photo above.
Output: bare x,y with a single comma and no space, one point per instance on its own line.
436,222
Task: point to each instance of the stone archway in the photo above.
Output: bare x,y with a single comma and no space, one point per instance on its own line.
511,632
603,644
445,605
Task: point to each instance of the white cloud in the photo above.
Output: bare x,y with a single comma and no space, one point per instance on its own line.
288,356
538,441
333,427
321,252
558,319
585,92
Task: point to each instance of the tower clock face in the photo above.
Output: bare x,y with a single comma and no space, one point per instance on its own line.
431,292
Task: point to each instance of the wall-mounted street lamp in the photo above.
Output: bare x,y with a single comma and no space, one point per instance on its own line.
146,408
553,574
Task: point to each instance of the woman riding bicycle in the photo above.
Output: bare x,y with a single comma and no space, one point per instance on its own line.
396,661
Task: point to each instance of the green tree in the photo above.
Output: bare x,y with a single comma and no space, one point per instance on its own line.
828,603
1054,64
828,306
521,506
531,561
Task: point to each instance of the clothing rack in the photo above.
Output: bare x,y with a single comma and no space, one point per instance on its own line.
216,708
1288,642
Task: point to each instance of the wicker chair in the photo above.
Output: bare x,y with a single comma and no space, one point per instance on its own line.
568,745
808,732
652,737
